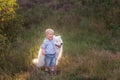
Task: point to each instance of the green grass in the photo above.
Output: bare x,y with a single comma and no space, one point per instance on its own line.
83,56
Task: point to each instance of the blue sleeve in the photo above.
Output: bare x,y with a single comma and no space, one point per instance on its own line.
44,44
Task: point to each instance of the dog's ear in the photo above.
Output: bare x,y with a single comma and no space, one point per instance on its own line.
53,35
61,41
59,36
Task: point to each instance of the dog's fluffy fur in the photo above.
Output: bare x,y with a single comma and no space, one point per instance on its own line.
39,62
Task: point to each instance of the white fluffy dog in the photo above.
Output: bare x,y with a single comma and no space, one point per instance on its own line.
39,62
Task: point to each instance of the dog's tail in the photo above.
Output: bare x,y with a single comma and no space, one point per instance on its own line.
35,61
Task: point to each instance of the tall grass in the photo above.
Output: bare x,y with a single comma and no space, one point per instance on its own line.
84,56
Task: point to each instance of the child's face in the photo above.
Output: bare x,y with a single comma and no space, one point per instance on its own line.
49,35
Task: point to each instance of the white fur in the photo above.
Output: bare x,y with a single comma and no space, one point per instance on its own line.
39,62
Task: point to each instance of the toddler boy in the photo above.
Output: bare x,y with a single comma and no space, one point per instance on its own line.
48,50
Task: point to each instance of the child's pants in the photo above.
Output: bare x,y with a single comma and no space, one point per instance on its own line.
50,60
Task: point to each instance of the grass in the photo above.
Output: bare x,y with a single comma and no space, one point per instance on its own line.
82,58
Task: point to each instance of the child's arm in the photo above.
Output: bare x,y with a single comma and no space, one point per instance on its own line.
43,47
43,51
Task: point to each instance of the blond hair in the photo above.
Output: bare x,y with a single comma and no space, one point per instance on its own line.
49,30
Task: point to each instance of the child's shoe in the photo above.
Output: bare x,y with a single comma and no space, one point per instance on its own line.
52,73
47,72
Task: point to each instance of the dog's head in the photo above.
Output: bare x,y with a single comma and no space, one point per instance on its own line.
58,41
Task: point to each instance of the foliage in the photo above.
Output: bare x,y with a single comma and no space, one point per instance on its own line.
7,9
10,29
7,13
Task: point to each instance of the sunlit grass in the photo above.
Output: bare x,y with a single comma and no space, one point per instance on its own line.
80,59
83,56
